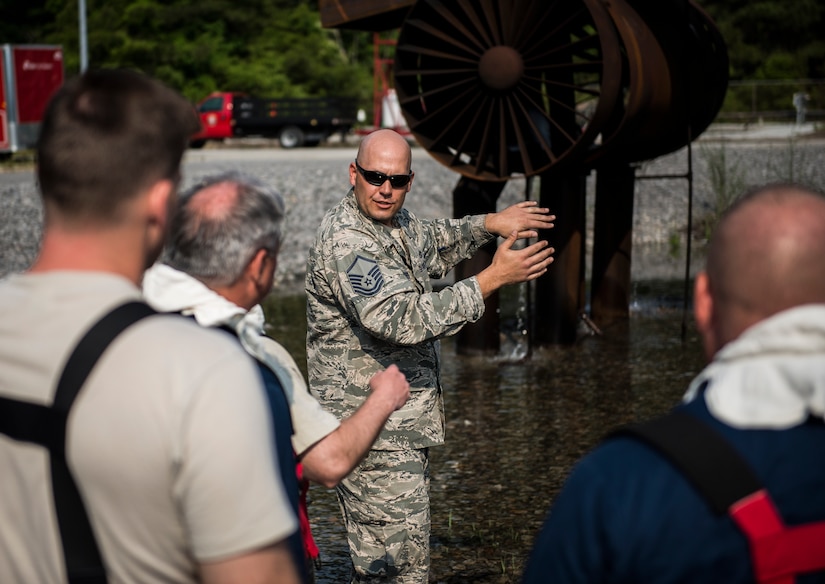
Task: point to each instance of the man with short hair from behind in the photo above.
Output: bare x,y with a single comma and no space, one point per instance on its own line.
629,514
167,440
218,267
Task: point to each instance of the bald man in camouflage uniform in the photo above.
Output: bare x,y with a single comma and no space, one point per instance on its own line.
370,303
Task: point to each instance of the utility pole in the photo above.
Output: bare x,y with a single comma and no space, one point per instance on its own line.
84,54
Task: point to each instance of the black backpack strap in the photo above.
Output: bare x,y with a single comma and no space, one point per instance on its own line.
708,461
28,422
47,426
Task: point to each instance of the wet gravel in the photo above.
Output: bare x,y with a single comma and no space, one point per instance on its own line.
515,427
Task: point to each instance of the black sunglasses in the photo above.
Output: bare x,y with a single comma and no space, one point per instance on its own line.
377,179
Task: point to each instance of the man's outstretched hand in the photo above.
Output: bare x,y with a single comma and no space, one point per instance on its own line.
511,266
525,218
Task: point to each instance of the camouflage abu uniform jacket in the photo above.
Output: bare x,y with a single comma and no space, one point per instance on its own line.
370,304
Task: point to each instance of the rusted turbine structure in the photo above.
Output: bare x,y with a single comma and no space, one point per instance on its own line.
551,89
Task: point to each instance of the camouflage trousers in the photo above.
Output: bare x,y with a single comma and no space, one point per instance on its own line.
385,502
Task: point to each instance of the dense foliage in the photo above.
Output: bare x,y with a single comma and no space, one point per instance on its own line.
278,47
771,40
263,47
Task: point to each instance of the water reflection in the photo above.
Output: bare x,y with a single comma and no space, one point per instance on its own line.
514,429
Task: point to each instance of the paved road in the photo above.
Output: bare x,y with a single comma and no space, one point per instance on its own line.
16,177
260,152
758,132
200,161
263,154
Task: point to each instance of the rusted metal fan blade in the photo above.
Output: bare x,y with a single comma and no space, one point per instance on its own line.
499,88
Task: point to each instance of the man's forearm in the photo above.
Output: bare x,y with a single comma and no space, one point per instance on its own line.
332,458
270,565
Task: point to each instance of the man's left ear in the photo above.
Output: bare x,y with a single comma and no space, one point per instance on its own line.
160,202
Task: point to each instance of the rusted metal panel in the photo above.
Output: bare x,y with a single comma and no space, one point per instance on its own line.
559,297
368,15
612,244
472,197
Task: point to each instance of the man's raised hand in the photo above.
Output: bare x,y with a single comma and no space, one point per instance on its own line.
525,218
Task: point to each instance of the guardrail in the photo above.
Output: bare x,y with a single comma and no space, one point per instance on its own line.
758,117
778,100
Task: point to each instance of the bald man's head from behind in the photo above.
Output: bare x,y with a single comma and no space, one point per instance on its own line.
766,255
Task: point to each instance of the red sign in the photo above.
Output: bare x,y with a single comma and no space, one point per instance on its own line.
4,121
39,73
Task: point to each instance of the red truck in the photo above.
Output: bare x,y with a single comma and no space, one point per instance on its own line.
29,75
294,122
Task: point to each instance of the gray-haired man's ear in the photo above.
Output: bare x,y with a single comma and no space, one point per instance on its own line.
262,271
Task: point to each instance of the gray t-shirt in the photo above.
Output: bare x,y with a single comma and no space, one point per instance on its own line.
169,440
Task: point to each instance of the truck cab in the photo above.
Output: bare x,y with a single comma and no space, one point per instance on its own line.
215,113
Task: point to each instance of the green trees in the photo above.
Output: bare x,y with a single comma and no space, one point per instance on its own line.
278,47
262,47
770,40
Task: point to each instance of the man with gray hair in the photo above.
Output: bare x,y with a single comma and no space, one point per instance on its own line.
218,266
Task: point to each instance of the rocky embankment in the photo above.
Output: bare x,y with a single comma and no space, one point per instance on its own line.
311,182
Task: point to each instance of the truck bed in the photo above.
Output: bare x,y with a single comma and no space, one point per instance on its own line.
320,111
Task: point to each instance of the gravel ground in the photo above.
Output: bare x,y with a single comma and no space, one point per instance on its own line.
312,180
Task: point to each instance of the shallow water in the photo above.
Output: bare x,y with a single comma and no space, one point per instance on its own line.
515,428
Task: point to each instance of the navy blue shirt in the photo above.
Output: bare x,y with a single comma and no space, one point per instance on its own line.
627,515
282,423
